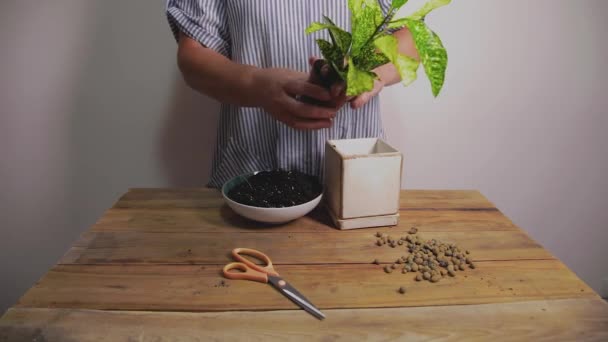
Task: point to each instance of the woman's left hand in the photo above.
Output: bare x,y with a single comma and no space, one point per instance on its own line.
360,100
338,91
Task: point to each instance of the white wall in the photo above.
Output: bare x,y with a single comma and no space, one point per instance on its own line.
91,103
523,118
37,81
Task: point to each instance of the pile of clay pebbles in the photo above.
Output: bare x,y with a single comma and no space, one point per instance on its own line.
430,260
276,189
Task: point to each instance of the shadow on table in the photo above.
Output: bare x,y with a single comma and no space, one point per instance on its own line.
321,216
232,219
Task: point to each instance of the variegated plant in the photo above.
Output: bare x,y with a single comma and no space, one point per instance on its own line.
354,55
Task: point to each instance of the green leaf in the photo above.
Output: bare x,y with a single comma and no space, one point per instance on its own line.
341,73
406,66
358,81
397,24
427,8
330,52
339,37
433,55
379,14
355,6
316,26
397,4
369,59
365,21
419,14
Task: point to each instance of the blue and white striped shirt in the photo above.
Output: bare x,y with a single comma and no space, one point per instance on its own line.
269,34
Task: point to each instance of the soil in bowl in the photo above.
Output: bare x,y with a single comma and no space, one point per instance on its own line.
276,189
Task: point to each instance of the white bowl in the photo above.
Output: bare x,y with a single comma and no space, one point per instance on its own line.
267,215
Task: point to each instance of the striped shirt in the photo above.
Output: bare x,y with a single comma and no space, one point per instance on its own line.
269,34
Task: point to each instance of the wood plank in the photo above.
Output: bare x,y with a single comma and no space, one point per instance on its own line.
170,198
211,198
220,219
554,320
332,247
195,288
181,220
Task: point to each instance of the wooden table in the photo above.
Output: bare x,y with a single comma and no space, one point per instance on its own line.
149,270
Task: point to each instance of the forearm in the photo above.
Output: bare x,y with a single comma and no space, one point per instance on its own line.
216,76
387,72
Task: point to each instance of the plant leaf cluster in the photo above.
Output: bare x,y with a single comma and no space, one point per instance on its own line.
354,55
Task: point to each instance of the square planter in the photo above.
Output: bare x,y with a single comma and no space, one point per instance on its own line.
362,182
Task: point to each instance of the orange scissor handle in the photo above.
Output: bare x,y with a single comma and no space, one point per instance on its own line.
247,274
238,254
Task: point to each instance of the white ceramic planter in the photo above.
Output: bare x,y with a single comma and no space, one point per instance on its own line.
362,182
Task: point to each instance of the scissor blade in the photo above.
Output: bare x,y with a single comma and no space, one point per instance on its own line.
295,296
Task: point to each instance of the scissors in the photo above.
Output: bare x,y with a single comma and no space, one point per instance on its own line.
266,274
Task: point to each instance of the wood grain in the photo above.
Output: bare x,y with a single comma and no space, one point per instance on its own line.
321,248
194,288
555,320
163,250
170,198
182,220
208,198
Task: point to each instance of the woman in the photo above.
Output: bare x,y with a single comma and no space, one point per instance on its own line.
252,56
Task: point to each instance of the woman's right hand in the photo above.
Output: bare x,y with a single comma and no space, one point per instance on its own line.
278,90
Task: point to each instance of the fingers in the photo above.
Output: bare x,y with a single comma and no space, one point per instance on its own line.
303,88
303,116
338,88
338,102
317,66
309,111
312,60
308,124
320,66
324,69
364,98
360,100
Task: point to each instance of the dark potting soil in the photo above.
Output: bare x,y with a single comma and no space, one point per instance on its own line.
276,189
